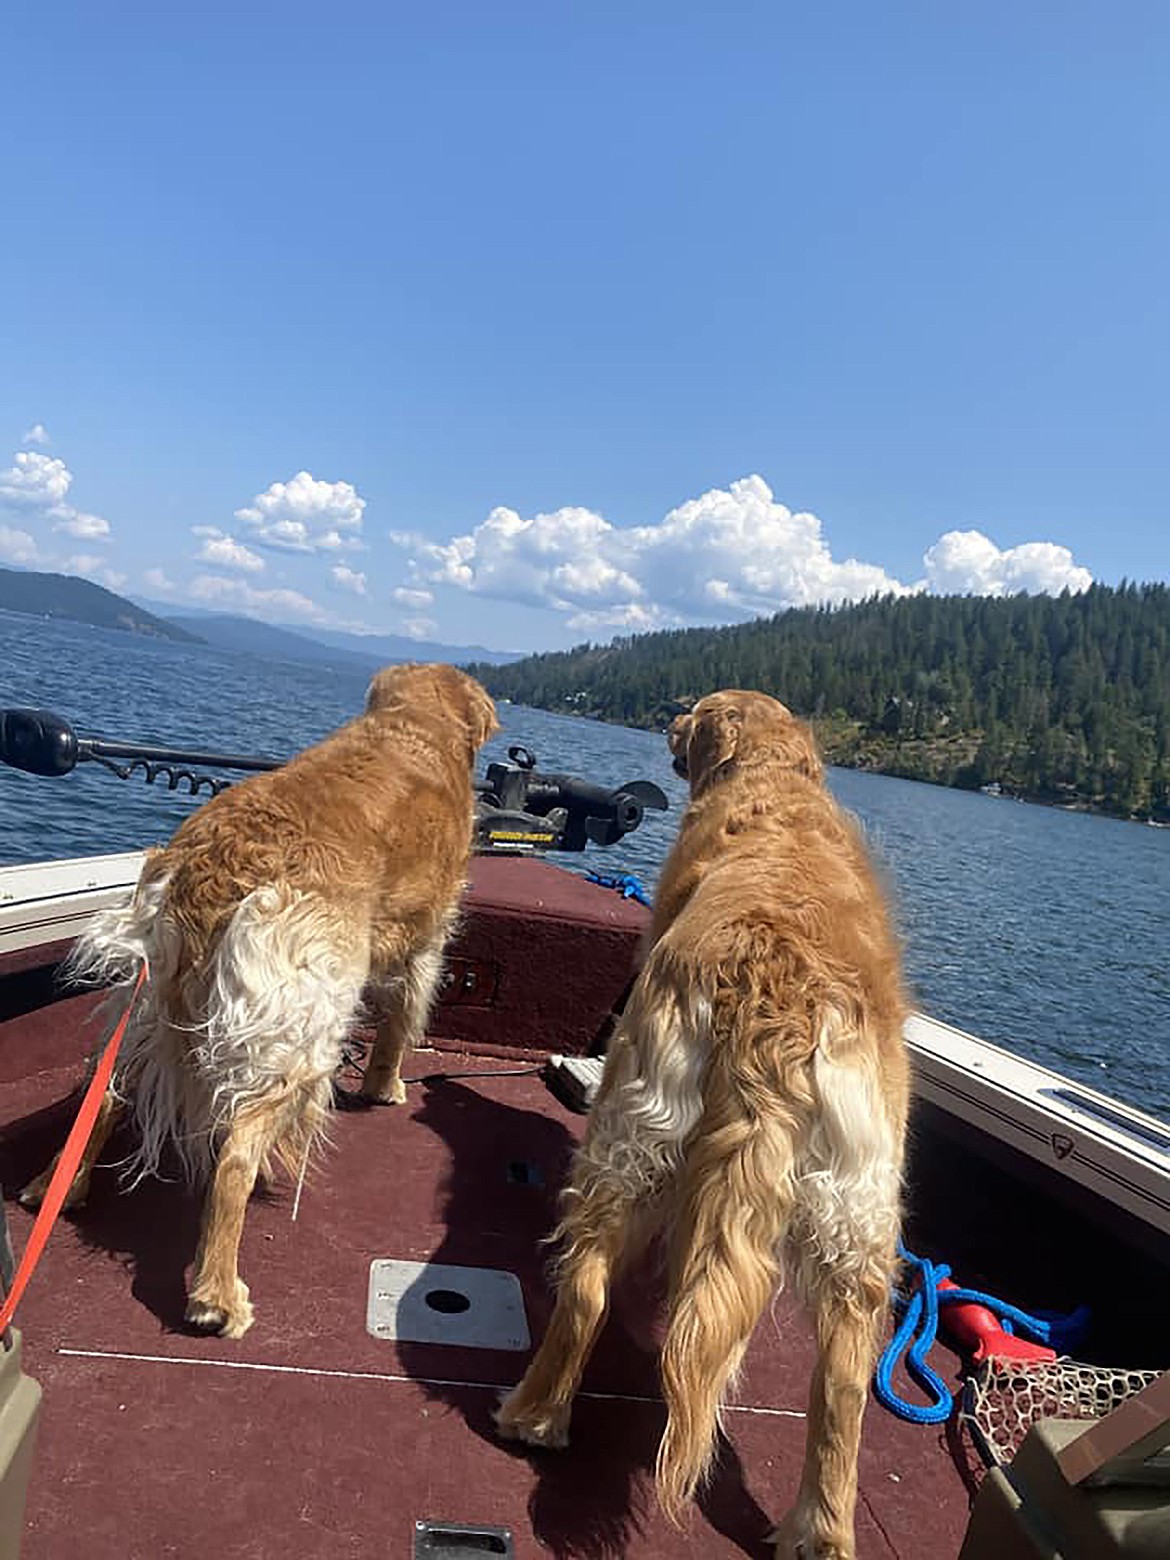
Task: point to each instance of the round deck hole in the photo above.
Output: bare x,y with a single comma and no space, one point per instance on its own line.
449,1301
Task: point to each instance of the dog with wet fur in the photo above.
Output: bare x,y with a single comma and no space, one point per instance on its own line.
275,908
752,1113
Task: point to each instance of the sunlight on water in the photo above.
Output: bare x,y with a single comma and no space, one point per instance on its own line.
1040,930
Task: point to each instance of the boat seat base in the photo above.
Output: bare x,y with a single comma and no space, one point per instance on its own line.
1030,1511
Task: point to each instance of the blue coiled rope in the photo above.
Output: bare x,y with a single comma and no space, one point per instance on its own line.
918,1328
625,883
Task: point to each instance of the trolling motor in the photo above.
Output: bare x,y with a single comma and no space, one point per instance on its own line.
519,811
520,806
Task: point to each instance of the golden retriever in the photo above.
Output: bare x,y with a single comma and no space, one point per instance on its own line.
753,1108
262,922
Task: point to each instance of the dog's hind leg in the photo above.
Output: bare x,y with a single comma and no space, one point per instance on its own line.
402,1006
845,1232
219,1300
648,1102
109,1114
727,1223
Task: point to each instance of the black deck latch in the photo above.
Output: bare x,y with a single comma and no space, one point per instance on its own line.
459,1541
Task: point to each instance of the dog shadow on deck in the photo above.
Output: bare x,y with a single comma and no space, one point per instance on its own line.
498,1204
151,1231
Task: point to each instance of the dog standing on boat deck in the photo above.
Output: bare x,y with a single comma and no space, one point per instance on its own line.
753,1108
271,910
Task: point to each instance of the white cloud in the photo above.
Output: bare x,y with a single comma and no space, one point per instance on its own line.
94,568
75,522
34,481
406,596
349,579
555,560
265,603
728,554
38,485
37,434
17,546
82,563
731,553
225,552
967,563
418,627
305,515
158,580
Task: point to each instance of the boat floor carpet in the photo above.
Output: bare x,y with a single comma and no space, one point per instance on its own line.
312,1437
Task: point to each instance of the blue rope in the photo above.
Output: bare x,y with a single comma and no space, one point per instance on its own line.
917,1330
625,882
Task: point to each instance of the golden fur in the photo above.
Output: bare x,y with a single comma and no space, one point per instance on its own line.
263,921
753,1109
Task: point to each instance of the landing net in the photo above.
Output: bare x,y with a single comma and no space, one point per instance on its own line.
1002,1398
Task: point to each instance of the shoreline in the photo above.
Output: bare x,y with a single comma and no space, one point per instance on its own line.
871,764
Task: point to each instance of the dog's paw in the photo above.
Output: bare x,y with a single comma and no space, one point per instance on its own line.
392,1093
210,1314
33,1194
796,1539
536,1426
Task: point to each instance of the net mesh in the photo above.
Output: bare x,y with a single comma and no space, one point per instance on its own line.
1003,1398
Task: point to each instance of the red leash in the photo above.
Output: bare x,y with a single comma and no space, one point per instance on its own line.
70,1159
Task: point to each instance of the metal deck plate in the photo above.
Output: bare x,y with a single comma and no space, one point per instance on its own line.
423,1302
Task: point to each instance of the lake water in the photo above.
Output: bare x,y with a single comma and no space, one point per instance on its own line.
1041,930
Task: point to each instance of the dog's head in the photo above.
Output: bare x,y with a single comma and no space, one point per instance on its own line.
738,729
435,688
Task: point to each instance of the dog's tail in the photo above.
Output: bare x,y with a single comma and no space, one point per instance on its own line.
268,1016
736,1196
115,943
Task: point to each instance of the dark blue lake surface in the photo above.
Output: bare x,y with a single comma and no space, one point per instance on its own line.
1041,930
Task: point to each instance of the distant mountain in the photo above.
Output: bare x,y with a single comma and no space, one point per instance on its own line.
241,634
230,632
396,647
81,601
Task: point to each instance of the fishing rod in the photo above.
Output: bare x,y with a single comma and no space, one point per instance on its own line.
519,810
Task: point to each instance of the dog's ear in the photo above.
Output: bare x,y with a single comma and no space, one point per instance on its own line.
713,737
385,689
481,715
796,748
678,736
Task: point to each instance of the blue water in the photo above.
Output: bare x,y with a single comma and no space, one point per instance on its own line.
1041,930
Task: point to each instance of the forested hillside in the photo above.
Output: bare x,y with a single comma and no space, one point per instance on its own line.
80,601
1063,699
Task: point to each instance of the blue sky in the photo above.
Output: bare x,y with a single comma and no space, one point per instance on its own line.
524,324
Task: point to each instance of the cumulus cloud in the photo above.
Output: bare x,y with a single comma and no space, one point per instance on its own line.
75,522
35,481
278,602
37,434
305,515
17,546
348,579
408,596
729,554
38,485
159,581
94,568
967,563
418,627
225,552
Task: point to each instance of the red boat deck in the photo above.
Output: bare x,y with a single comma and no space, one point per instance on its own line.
309,1437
